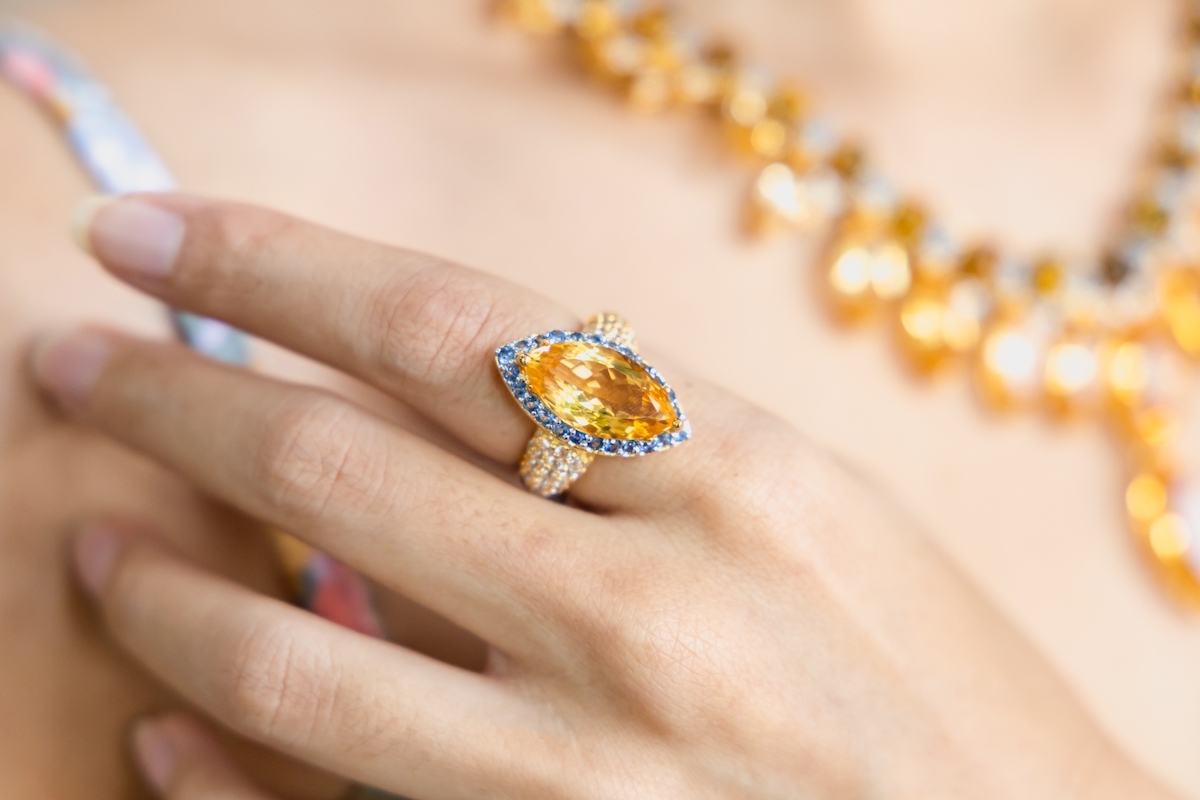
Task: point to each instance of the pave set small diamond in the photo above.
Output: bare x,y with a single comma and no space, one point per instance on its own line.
549,466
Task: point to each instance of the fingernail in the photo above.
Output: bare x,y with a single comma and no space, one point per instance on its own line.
69,364
81,220
129,235
155,754
96,552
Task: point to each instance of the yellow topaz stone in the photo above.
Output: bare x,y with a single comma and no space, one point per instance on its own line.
599,391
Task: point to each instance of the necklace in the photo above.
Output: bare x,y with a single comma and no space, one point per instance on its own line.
1105,337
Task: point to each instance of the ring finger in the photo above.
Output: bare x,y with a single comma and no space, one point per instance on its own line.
350,704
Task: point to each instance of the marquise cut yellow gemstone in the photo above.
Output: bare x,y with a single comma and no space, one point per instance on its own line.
599,391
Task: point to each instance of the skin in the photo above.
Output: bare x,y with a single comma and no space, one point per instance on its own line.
362,136
732,618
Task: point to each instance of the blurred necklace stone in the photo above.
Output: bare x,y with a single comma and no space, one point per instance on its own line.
1109,335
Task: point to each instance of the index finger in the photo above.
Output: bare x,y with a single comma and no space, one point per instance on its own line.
421,328
416,326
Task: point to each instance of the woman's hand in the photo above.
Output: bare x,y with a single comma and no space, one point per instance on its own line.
730,618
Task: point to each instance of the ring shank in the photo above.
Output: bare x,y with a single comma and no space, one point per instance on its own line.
550,466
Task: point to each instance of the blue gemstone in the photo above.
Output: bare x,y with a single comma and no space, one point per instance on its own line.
554,337
611,446
506,353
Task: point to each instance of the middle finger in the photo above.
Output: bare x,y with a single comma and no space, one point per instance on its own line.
445,533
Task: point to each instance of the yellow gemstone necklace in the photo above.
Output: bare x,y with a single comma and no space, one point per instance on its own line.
1105,337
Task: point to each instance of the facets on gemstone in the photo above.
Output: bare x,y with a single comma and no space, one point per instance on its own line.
598,390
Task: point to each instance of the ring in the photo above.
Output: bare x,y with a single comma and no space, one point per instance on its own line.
590,394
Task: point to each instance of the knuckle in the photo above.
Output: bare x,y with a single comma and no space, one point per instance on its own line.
229,236
751,468
277,686
308,460
547,570
647,637
435,324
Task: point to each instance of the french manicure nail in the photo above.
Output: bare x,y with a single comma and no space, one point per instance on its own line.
156,756
69,364
96,552
129,235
